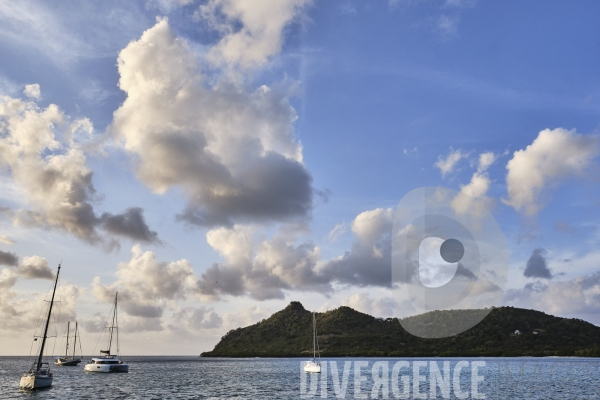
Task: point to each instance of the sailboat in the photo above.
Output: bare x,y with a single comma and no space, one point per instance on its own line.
39,375
314,365
108,362
69,361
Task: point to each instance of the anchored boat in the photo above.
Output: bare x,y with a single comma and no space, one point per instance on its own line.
69,360
314,365
39,375
108,362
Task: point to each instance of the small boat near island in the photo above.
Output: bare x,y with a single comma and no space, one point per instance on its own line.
109,362
69,360
314,365
39,375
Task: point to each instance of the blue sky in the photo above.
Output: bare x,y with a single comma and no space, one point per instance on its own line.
214,160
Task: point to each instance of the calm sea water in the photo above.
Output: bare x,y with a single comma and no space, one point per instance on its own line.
262,378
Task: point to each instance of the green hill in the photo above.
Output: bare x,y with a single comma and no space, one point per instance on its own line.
346,332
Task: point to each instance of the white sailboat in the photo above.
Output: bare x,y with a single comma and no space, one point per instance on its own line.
69,360
39,375
109,362
314,365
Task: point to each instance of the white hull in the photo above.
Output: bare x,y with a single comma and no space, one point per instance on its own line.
311,366
35,381
106,368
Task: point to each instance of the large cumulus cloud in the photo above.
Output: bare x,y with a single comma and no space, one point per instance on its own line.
41,149
555,155
229,148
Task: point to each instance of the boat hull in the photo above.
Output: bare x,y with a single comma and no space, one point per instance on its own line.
312,367
29,381
106,368
66,363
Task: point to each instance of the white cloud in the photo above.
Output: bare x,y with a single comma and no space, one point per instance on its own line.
56,181
578,297
369,225
485,160
381,307
42,151
264,270
44,31
476,202
35,267
447,165
231,150
252,31
195,319
6,240
337,231
33,91
147,286
245,316
21,312
555,155
261,270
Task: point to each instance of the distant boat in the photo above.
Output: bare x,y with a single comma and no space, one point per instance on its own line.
39,375
314,365
69,360
109,362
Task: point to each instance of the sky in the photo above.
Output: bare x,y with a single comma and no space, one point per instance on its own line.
214,160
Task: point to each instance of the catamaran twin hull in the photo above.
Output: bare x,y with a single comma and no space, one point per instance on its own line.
32,381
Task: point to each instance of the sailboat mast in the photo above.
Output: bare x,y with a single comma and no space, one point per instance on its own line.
67,346
112,327
75,341
39,363
314,336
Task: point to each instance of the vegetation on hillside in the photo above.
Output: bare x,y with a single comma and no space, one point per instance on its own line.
346,332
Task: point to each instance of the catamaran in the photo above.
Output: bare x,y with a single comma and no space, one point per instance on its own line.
314,365
109,362
39,375
69,360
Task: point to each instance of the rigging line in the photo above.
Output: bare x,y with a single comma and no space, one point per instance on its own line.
63,337
57,316
117,327
102,332
80,349
38,324
56,321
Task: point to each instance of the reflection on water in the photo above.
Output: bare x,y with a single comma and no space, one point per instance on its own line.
202,378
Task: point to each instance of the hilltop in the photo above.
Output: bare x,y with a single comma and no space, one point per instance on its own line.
347,332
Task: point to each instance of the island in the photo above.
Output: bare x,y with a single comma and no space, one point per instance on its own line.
345,332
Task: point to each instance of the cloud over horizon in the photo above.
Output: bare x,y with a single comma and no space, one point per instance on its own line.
265,270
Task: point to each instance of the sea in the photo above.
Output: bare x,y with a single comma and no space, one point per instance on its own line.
283,378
